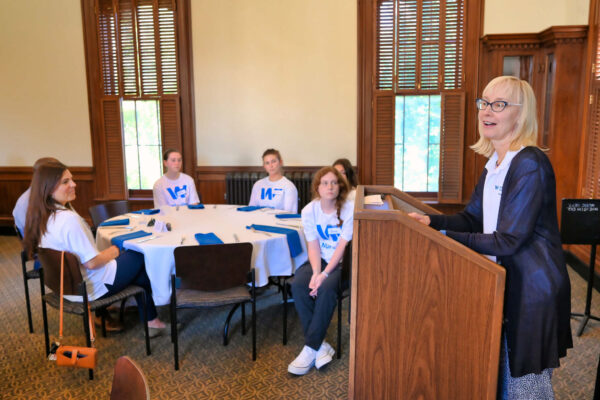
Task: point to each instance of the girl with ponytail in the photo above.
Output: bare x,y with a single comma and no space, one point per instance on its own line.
327,222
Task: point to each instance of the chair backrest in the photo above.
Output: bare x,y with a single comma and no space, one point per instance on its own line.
213,267
104,211
129,382
50,260
19,234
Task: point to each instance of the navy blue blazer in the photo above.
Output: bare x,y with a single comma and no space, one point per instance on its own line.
537,298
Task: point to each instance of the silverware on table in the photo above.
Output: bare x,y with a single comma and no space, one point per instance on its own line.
236,238
289,226
263,232
182,240
147,238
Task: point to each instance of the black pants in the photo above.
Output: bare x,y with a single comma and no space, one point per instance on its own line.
315,313
131,270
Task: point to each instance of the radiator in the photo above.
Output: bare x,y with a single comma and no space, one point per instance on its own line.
239,186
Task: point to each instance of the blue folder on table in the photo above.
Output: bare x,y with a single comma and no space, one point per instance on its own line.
293,238
249,208
195,206
285,216
115,222
118,240
207,238
149,211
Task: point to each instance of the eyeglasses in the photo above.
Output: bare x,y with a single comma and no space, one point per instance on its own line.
496,106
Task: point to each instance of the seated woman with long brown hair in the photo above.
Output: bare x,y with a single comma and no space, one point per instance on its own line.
52,223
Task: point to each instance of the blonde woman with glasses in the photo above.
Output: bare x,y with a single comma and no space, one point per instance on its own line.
511,218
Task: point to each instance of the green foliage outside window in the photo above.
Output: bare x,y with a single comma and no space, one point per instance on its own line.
142,139
417,143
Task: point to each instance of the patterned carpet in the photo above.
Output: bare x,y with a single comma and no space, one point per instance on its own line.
207,369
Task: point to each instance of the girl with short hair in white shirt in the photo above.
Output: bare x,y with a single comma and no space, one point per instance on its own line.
174,188
275,191
327,222
52,223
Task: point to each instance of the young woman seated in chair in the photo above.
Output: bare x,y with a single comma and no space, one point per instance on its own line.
327,222
275,190
52,223
174,188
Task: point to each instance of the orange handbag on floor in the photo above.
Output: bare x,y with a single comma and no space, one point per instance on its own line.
74,356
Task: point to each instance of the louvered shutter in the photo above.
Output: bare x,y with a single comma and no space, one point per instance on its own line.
384,70
407,24
451,147
383,134
170,122
453,44
111,125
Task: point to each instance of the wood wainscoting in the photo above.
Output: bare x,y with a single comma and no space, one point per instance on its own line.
15,180
210,183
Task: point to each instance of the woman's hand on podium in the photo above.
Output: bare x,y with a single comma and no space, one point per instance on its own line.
424,219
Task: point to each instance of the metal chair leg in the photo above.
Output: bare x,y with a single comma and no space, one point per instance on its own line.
243,319
226,327
26,286
44,312
285,306
339,328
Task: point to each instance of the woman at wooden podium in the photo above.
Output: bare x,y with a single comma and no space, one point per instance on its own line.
511,218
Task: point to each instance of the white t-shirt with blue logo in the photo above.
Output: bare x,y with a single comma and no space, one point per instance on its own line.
325,227
281,194
178,192
67,231
492,191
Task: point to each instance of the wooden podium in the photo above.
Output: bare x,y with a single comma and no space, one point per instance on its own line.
426,311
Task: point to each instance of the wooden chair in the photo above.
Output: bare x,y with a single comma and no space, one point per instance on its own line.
104,211
343,292
75,285
129,381
27,275
211,276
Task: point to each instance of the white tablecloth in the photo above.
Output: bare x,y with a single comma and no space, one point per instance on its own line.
270,255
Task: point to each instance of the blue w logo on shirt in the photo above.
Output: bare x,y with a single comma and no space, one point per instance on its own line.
269,193
326,235
177,192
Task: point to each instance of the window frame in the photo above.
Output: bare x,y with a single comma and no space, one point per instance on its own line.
372,146
107,145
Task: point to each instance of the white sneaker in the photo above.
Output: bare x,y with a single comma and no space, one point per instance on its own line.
304,362
324,355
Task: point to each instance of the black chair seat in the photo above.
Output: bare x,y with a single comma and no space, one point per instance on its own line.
76,307
197,298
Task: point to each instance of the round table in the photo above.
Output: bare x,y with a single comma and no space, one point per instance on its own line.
270,255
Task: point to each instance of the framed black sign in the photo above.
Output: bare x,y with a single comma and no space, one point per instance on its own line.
580,221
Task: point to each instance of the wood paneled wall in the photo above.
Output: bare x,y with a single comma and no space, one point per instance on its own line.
557,78
210,182
15,180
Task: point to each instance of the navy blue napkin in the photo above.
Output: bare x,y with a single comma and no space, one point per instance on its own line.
249,208
115,222
196,206
118,240
285,215
207,238
293,238
147,211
